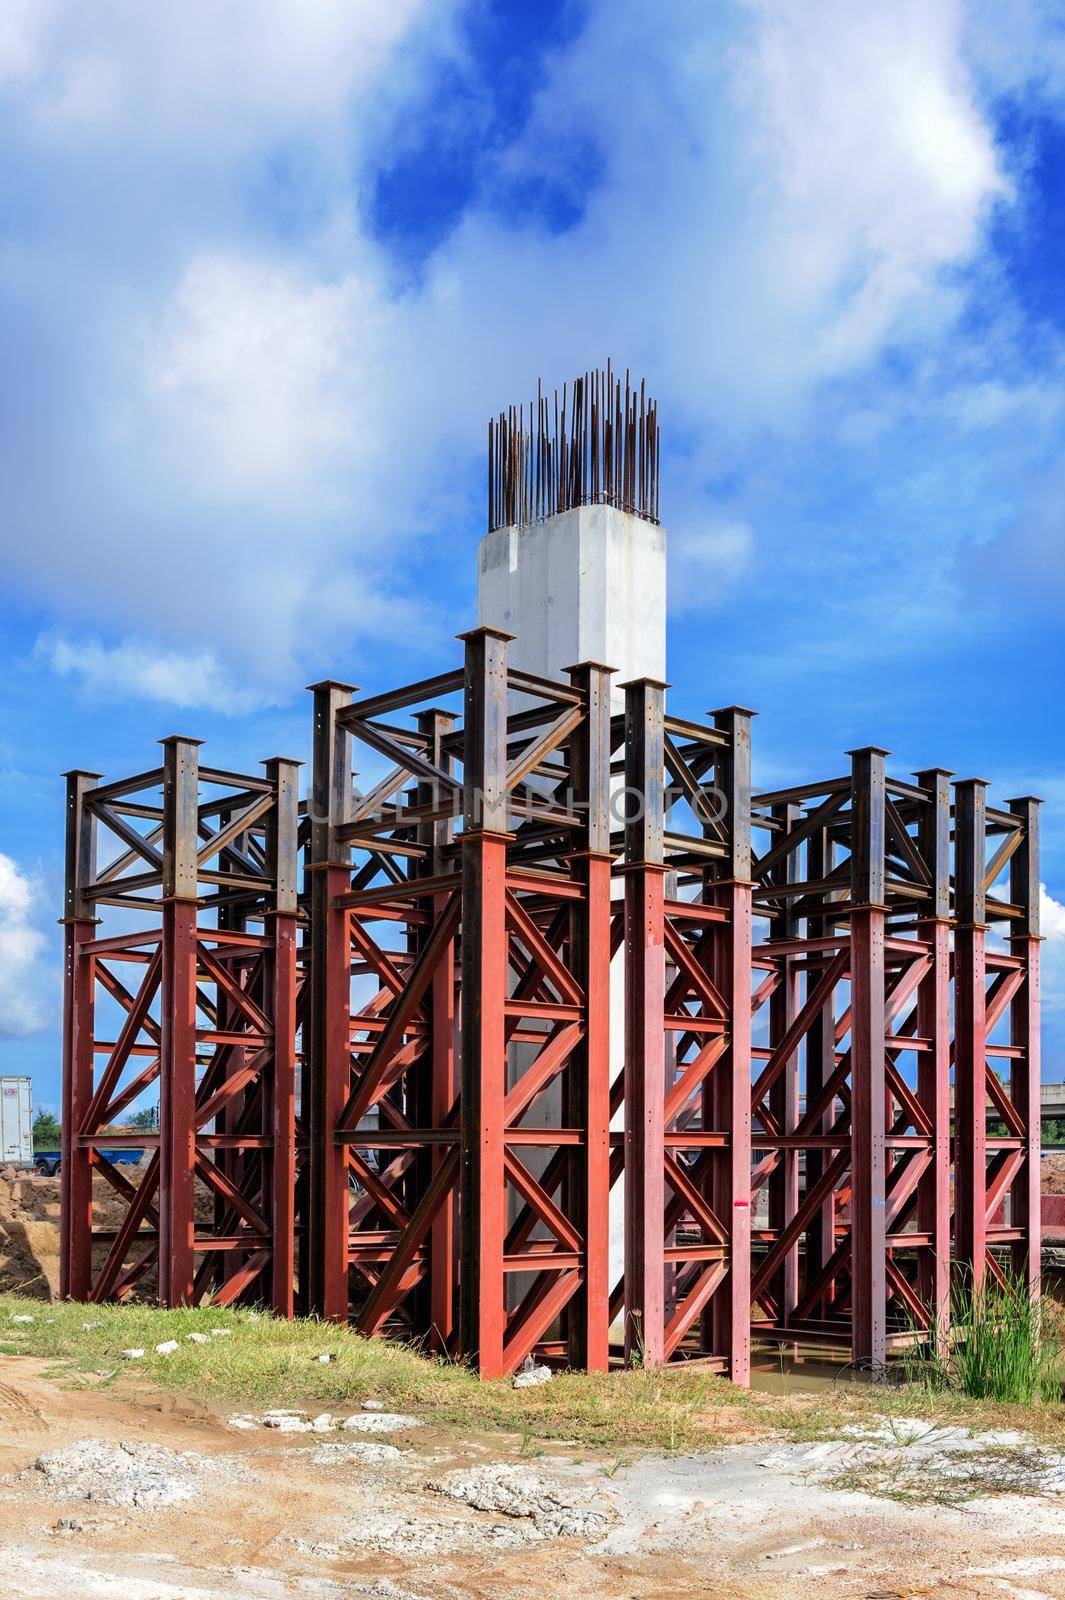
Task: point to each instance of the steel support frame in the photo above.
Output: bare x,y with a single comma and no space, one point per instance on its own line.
687,1108
997,1018
207,1015
415,1131
873,1038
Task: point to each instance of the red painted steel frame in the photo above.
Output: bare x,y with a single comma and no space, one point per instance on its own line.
871,1041
210,1022
687,1103
450,1177
426,1186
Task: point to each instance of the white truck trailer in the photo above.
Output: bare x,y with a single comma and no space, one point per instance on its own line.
16,1123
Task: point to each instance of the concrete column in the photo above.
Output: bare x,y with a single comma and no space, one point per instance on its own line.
586,585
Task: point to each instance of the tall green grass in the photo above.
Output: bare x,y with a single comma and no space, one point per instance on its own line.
1001,1346
1002,1349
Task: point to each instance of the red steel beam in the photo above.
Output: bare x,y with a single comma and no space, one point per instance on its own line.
75,1265
933,1066
1024,1033
868,1059
729,1319
588,1076
177,1076
970,1027
482,1308
327,1065
645,1063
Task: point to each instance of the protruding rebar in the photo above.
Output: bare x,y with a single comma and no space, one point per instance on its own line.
601,449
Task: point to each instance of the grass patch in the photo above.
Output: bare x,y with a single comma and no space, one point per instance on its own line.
955,1477
265,1362
1004,1347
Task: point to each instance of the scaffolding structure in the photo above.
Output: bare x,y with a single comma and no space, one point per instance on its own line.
427,968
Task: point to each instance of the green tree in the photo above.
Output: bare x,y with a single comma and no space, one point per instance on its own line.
145,1121
46,1132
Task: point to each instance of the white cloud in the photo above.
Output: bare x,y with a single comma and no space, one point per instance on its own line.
264,371
23,27
136,670
1051,916
192,70
21,948
782,194
1052,974
883,157
706,558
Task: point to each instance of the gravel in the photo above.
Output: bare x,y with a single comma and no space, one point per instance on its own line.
338,1455
285,1421
380,1422
147,1476
512,1490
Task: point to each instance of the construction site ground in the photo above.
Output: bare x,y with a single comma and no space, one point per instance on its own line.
164,1475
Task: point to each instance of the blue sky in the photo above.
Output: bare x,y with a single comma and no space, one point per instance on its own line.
265,271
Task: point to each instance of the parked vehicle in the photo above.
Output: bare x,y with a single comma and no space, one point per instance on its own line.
16,1123
46,1163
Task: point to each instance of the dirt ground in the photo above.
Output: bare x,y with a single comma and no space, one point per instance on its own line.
1052,1169
29,1235
269,1513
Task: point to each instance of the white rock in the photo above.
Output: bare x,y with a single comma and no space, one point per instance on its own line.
324,1423
167,1347
197,1338
221,1333
324,1360
514,1490
131,1355
381,1422
88,1326
373,1405
243,1422
23,1319
332,1455
145,1476
288,1424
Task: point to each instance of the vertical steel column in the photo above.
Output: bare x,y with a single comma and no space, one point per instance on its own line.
177,1059
588,1077
485,966
79,922
970,1030
784,1094
328,1055
1024,1034
933,1064
282,854
820,1058
731,1313
868,1060
436,726
645,1055
233,918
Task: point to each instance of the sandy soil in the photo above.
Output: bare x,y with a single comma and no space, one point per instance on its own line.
273,1514
1053,1172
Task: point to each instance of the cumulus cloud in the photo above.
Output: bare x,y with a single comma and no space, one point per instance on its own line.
191,70
275,387
21,947
1052,973
264,369
1051,916
137,670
